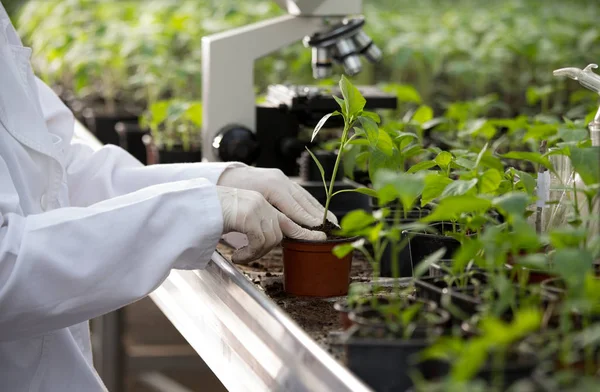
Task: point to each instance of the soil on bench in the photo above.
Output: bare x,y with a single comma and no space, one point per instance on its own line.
315,315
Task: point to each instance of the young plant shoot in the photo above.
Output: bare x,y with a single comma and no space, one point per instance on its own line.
358,125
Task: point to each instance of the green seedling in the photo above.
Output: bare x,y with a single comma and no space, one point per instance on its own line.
358,125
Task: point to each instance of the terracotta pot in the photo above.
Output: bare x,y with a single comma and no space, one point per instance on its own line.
311,269
343,311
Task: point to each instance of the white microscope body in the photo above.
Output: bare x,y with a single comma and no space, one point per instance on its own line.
228,61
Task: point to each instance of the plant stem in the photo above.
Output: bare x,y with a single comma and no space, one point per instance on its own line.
335,170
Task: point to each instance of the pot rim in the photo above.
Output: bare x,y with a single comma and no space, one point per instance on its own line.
333,241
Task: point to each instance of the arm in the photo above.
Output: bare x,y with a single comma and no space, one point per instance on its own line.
111,171
70,265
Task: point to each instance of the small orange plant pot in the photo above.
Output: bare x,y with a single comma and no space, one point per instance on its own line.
311,269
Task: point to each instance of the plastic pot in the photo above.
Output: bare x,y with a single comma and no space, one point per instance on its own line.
435,289
385,362
103,125
343,310
385,365
130,139
156,154
311,269
419,246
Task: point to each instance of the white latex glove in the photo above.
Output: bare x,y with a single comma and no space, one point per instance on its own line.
289,197
249,213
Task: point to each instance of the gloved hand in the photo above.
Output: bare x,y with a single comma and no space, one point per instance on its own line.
249,213
289,197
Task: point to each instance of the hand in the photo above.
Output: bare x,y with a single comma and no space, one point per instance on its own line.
249,213
289,197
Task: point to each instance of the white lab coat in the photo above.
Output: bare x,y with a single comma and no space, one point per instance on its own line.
82,233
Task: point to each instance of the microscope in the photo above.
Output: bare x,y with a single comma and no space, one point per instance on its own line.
235,127
590,80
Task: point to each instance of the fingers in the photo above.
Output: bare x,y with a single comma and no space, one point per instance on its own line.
287,204
292,230
253,250
310,203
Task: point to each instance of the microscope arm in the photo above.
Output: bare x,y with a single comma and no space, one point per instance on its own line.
228,71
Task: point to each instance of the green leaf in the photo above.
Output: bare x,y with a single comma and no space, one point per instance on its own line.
467,252
321,123
586,162
513,203
364,191
572,265
540,132
471,358
443,159
355,102
407,187
423,114
371,130
573,135
404,93
425,165
491,161
536,261
424,265
372,115
434,186
534,157
529,183
356,220
564,237
385,144
404,138
459,187
378,161
490,181
340,251
464,162
452,207
412,151
320,169
342,103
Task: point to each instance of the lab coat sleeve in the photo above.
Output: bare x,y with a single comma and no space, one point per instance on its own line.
69,265
95,175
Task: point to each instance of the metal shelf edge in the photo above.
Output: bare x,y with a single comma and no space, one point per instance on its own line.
244,337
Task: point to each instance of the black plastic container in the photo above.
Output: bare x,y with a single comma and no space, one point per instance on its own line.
419,245
309,171
385,364
310,179
130,139
177,154
434,288
103,125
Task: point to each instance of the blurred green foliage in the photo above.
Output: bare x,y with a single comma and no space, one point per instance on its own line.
142,51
